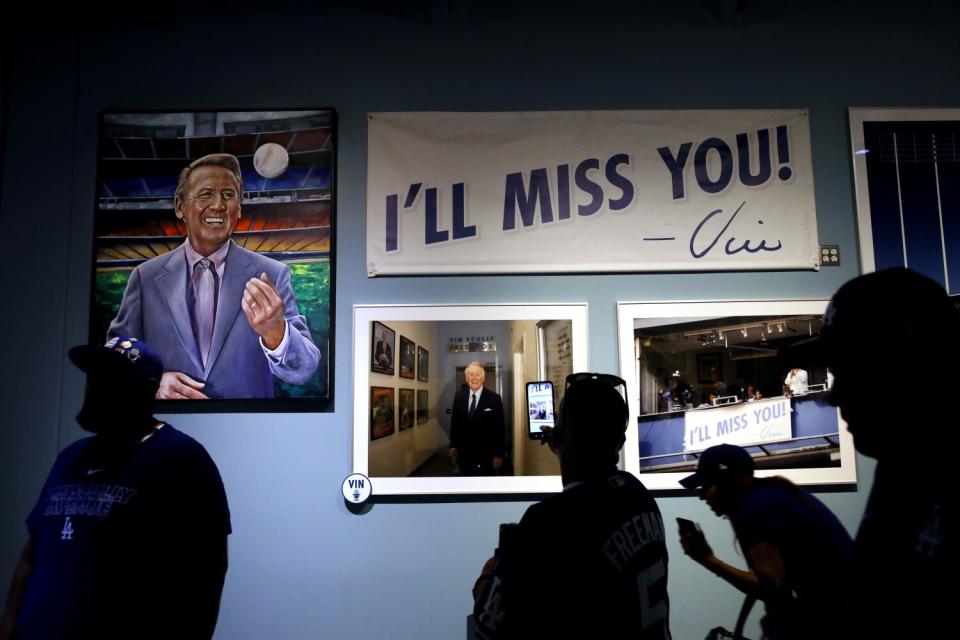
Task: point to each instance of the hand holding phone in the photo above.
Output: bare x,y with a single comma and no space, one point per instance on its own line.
693,541
689,529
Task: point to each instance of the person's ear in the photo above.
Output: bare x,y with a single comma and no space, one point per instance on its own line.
178,206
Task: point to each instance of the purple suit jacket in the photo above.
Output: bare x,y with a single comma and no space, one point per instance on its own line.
154,309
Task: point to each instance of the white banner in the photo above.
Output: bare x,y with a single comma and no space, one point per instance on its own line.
563,191
742,424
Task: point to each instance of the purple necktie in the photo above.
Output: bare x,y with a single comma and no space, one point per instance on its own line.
203,310
473,403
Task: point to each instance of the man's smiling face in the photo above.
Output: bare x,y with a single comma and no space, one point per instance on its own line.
210,207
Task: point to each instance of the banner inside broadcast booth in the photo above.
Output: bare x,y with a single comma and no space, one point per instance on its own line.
741,424
589,191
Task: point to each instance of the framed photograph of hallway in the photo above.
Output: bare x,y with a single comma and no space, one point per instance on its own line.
194,209
705,373
493,346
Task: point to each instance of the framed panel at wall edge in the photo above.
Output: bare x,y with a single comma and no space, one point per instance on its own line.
906,170
284,226
791,432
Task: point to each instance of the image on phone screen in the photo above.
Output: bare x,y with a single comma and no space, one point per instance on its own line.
539,408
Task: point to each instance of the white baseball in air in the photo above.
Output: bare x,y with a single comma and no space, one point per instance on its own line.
270,160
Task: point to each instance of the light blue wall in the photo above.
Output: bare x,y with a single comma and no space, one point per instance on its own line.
302,566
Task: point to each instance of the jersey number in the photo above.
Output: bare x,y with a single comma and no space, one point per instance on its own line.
652,614
492,615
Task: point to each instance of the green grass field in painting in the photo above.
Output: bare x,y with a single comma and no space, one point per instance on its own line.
311,285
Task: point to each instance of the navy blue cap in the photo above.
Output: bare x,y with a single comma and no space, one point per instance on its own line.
121,355
722,462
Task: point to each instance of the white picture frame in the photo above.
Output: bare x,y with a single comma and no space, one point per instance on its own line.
396,315
921,245
627,315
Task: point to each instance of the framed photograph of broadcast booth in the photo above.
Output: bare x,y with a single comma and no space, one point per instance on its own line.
789,430
908,205
194,213
501,340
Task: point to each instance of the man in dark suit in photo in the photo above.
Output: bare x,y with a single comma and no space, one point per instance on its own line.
477,426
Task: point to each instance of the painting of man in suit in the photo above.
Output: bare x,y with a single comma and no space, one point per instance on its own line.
224,319
477,431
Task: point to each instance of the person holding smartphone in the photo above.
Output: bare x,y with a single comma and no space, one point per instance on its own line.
797,552
590,562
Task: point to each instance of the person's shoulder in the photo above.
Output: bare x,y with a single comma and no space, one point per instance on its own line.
158,263
625,480
264,263
544,511
74,449
769,499
589,499
568,500
491,394
179,443
626,484
763,493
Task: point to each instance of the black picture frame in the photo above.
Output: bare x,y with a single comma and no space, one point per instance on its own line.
423,413
383,417
382,348
423,364
408,358
287,215
406,411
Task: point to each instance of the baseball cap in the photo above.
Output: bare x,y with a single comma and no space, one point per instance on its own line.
119,356
890,302
720,462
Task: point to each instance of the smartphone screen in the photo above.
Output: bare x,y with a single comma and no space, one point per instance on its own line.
539,408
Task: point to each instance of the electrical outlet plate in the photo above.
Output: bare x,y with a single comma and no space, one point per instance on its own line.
829,255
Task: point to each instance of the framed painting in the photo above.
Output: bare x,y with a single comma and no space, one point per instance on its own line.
249,194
